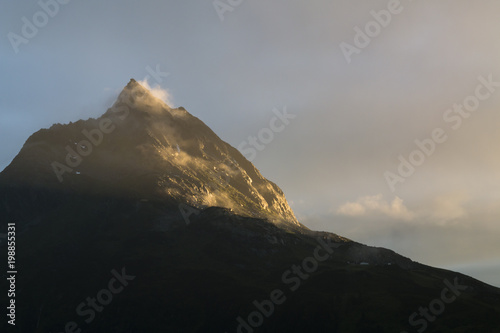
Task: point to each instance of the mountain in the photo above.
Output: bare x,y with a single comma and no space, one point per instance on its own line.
143,148
144,220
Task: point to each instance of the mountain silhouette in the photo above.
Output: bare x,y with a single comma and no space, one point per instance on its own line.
144,220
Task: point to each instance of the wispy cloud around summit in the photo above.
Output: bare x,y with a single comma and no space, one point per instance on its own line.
158,92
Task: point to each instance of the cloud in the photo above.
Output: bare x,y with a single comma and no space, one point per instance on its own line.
376,205
440,210
158,92
449,207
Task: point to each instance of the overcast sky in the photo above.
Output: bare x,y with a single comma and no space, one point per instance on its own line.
362,92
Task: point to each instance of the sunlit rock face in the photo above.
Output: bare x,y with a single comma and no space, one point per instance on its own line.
142,148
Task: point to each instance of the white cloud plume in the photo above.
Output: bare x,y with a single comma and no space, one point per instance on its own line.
376,205
158,92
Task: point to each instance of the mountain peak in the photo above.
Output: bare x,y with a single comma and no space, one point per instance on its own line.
133,85
141,148
137,94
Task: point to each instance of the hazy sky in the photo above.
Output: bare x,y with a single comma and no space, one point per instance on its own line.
362,92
